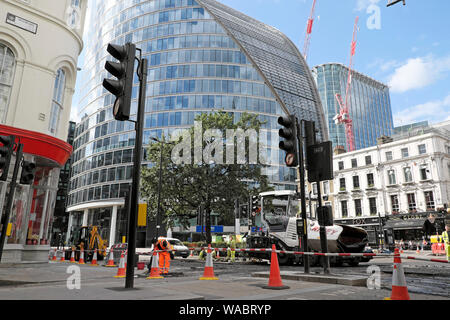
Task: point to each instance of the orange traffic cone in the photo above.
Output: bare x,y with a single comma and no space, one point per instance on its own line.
111,259
121,272
81,261
192,252
72,257
94,259
275,277
208,273
154,270
54,256
399,288
63,259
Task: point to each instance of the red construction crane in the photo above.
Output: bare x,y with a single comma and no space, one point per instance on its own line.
309,26
344,115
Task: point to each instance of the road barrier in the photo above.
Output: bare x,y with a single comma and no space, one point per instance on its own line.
373,255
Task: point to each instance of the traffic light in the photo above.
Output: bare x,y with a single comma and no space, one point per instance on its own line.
28,171
244,212
320,162
254,203
123,71
290,144
310,132
6,152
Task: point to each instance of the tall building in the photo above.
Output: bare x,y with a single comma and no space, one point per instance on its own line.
410,127
40,42
203,56
370,105
60,220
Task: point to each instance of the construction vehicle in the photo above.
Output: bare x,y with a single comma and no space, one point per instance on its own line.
279,214
88,239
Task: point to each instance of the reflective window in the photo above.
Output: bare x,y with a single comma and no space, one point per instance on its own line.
7,67
57,101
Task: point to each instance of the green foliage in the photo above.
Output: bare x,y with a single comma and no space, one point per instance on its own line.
214,187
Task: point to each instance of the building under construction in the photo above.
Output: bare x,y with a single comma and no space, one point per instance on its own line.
369,105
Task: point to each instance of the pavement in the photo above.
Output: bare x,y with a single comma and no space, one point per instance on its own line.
58,281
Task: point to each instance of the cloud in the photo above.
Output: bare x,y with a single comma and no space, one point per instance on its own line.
433,111
418,73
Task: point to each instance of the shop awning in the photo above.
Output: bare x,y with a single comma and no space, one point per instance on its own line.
405,224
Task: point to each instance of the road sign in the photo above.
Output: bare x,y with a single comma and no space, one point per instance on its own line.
214,229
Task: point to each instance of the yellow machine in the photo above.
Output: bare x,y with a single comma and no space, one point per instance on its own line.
88,239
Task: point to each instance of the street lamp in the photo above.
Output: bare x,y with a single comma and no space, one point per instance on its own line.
158,213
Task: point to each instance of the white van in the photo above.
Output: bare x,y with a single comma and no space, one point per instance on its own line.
180,250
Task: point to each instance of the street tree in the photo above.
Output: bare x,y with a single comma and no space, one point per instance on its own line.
207,181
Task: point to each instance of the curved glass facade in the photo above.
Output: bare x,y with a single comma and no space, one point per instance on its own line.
370,105
198,62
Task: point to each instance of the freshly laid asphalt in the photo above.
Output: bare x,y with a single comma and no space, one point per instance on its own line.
56,281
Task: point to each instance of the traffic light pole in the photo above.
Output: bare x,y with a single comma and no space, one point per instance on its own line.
13,184
134,200
323,236
300,157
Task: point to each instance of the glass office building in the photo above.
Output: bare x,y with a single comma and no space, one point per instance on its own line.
203,56
370,105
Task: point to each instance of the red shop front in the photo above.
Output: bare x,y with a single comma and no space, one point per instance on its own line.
33,205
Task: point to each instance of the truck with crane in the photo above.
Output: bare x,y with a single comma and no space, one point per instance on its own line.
279,214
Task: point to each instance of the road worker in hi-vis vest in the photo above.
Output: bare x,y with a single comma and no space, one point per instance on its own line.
445,238
231,251
164,256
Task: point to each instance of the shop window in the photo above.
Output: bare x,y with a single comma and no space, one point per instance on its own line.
7,68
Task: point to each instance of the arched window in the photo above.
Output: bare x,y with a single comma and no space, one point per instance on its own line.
57,101
7,66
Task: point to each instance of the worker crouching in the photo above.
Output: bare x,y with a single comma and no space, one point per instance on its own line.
163,247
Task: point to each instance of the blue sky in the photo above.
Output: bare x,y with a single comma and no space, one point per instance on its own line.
409,49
